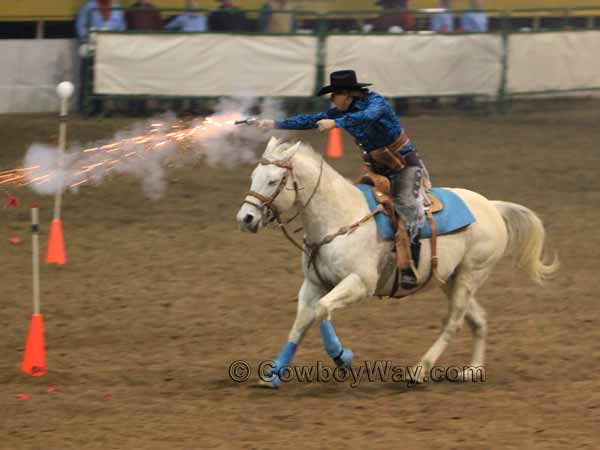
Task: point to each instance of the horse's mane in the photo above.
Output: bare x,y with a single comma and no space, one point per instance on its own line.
276,149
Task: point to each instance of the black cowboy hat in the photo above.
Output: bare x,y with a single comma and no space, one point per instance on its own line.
342,80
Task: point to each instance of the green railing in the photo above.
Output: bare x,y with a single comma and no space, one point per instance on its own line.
323,25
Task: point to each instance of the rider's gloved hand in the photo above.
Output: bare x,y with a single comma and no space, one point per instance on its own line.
266,124
326,124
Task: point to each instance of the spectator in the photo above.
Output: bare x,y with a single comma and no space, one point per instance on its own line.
102,17
190,22
143,16
405,20
227,18
475,20
443,21
392,22
273,21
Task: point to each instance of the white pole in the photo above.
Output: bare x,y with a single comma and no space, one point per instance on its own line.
64,90
35,228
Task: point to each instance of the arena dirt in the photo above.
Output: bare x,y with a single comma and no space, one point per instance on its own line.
159,297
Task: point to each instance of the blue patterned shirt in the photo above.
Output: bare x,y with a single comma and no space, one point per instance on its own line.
370,120
188,23
474,22
116,21
442,22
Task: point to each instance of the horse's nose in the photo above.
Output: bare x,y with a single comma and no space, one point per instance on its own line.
248,219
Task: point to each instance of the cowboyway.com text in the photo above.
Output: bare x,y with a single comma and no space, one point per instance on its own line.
376,371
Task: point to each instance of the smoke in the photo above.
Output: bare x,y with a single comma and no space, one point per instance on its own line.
148,148
231,149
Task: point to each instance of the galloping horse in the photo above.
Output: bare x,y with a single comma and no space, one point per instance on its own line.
354,266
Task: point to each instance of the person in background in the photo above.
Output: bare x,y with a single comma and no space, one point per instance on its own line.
227,18
395,22
190,22
402,21
101,15
143,16
271,20
475,20
443,21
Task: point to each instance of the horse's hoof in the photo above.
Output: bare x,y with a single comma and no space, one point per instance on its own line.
271,383
345,359
419,374
472,373
267,384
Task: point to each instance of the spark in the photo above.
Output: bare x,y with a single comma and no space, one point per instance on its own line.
155,141
79,183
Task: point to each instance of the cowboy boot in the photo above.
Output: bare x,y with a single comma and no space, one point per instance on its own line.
404,190
404,259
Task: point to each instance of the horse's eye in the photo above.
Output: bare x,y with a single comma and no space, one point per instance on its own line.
272,182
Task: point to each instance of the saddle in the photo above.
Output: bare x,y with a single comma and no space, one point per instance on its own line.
382,192
382,188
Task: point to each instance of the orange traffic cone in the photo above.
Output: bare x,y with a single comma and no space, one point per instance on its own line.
34,358
55,253
335,148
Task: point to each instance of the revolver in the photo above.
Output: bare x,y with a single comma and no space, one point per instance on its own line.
248,121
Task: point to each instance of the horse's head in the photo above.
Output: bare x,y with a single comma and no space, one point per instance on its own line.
272,190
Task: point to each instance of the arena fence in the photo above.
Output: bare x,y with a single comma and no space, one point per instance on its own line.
551,54
496,65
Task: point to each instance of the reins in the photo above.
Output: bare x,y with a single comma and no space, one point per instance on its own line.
267,202
311,250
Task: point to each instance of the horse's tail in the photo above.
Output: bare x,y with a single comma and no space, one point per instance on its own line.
526,240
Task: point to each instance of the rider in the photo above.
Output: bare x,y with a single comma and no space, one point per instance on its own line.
370,119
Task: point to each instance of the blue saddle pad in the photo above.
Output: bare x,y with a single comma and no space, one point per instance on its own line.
454,216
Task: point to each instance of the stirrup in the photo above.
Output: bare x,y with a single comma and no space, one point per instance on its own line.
408,279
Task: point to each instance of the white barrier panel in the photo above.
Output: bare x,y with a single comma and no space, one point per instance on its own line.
421,65
31,69
205,65
553,61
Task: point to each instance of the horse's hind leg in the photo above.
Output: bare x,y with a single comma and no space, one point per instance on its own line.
460,291
475,317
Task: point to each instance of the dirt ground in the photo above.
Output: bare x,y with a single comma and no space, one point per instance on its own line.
159,297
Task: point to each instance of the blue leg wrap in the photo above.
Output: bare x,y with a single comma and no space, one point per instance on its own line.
283,360
341,356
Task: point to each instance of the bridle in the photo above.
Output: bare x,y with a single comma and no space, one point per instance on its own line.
267,202
311,250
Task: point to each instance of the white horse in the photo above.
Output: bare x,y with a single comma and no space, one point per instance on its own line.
359,265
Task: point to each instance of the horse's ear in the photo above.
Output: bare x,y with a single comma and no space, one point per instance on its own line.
272,145
291,151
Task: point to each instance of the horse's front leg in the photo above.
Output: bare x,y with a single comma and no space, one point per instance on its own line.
305,315
351,289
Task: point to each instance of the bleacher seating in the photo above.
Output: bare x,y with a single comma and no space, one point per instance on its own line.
64,9
54,18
